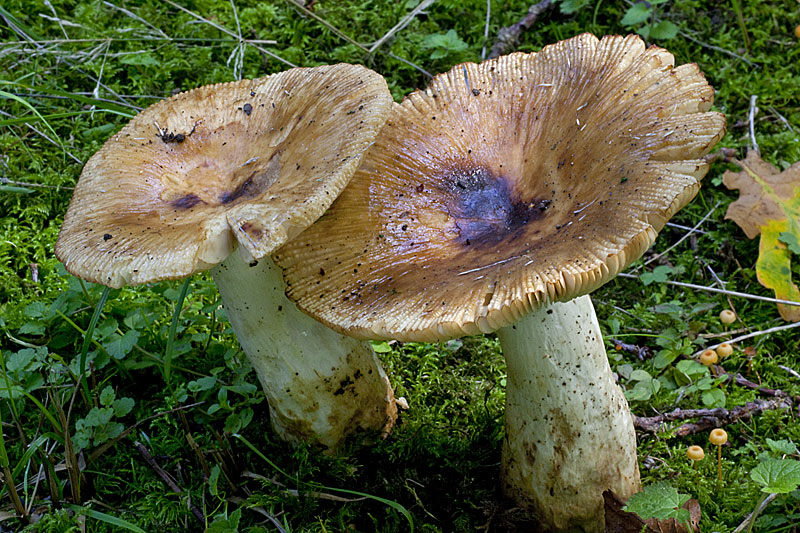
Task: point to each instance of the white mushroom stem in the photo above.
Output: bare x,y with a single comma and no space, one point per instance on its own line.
569,431
321,386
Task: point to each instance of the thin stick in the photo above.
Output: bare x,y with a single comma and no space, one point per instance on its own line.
749,517
486,28
751,120
686,236
717,48
708,418
400,25
136,17
238,64
721,291
755,334
228,32
167,479
685,228
781,118
508,37
790,371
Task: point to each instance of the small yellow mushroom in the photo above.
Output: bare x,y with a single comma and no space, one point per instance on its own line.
695,453
724,350
727,316
718,437
708,357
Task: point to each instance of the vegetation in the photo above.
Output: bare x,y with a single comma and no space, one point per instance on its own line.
75,456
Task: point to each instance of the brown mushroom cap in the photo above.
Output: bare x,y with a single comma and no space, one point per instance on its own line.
256,159
527,179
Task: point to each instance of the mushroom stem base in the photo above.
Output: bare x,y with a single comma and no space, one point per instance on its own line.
569,431
321,386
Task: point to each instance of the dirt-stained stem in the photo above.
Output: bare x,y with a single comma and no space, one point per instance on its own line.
569,432
321,386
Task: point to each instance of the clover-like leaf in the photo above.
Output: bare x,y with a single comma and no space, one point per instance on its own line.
769,204
660,501
777,475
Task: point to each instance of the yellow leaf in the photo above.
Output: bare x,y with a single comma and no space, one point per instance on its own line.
769,204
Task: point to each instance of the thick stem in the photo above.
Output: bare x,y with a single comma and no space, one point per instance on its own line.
321,386
569,431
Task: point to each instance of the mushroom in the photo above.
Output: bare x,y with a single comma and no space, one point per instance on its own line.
247,164
495,200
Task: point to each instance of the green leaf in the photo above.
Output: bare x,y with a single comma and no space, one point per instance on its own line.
659,274
202,384
777,475
790,240
118,346
381,346
660,501
34,328
663,30
782,446
713,398
107,396
123,406
213,478
568,7
35,310
636,14
139,59
20,360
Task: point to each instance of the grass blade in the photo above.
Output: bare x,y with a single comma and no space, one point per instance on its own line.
87,340
173,328
107,518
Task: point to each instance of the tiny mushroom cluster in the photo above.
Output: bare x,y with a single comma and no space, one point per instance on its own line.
496,200
246,164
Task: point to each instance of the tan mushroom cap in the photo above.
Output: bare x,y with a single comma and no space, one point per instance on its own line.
528,179
254,161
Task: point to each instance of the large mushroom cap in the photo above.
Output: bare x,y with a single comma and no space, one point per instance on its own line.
505,185
256,159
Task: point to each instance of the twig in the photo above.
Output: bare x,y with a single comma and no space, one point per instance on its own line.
751,121
508,37
642,352
685,228
746,522
721,291
781,118
717,48
486,28
260,510
136,17
685,236
746,383
228,32
790,371
709,418
167,479
6,181
754,334
400,25
239,49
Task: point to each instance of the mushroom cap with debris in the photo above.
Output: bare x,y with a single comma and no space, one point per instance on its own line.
503,186
253,161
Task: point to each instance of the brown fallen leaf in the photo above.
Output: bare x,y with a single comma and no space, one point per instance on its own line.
619,521
769,204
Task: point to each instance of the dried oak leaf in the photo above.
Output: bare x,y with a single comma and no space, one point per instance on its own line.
769,204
